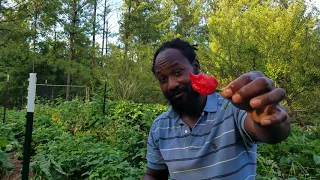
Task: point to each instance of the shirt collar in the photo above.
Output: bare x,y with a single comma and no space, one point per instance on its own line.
211,104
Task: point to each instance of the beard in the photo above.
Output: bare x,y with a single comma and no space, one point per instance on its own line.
185,103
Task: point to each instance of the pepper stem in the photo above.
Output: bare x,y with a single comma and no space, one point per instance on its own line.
218,90
225,106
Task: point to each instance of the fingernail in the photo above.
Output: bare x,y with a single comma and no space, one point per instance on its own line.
266,122
227,92
255,102
237,98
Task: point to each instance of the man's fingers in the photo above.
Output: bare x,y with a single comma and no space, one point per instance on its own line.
277,117
255,88
237,84
272,97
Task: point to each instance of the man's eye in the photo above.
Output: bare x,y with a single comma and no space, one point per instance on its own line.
162,80
177,72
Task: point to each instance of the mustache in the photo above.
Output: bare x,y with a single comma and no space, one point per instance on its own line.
177,90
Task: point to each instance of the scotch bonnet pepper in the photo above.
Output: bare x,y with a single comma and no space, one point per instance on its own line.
205,84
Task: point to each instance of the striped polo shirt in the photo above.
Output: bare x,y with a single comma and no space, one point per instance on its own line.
217,147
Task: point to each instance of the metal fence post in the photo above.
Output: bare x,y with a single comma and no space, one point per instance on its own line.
29,124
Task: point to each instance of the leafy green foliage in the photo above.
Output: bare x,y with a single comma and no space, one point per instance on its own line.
75,140
80,157
278,38
10,134
296,157
4,165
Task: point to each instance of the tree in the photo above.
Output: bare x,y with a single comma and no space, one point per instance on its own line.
14,47
275,38
76,27
142,28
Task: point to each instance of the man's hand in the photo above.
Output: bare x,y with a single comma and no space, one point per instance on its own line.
258,96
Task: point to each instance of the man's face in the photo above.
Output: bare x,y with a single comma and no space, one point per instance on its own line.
172,71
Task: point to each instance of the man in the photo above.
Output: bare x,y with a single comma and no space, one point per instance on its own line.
199,139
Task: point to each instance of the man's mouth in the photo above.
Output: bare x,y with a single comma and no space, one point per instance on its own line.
178,95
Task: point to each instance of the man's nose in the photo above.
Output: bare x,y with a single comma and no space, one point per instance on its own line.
172,84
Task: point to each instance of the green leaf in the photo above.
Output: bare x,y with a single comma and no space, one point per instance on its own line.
308,152
57,167
8,165
4,143
3,157
9,147
316,159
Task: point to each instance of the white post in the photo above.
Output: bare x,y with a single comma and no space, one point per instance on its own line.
31,92
29,124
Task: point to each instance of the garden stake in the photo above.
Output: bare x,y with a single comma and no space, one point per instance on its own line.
29,124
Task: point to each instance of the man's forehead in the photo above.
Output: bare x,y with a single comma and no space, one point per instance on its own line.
170,54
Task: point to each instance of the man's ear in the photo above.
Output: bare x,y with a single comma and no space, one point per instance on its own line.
196,66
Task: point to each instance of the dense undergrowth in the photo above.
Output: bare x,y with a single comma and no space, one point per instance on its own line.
75,140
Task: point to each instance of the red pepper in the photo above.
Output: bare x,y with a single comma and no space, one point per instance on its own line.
203,84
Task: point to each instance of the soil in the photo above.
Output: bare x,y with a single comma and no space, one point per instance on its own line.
15,174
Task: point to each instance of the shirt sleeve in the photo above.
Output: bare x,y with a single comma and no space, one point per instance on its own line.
240,116
154,157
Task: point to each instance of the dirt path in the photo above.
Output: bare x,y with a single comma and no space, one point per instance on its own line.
15,174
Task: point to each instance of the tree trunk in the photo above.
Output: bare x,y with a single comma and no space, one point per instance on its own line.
94,34
288,100
107,32
55,40
284,3
72,34
127,33
68,86
35,21
104,26
5,102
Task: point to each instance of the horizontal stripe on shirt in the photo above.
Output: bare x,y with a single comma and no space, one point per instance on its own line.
217,147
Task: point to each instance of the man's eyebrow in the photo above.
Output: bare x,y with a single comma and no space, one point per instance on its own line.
170,66
157,73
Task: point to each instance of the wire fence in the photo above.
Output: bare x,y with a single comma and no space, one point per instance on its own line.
14,96
52,91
